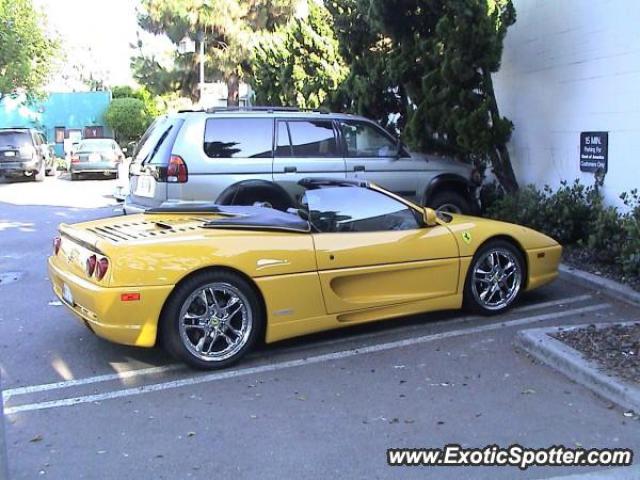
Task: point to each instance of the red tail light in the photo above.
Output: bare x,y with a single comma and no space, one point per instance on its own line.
177,170
91,265
101,268
57,241
75,158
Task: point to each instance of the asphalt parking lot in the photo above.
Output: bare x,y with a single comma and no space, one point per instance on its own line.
329,405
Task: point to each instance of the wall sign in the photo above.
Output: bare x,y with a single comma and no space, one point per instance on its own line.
594,151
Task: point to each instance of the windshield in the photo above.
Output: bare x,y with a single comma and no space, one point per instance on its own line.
14,139
96,146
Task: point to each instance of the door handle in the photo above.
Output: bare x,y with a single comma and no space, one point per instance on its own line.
290,169
359,168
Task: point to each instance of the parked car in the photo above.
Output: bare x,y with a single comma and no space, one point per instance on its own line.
210,280
96,155
194,156
25,153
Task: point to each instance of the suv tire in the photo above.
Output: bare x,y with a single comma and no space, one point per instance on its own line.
450,201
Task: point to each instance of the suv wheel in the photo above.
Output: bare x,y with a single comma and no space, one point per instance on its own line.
451,202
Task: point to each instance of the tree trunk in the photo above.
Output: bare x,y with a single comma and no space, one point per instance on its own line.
233,90
500,160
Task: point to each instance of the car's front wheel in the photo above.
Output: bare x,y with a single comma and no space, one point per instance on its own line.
495,278
212,320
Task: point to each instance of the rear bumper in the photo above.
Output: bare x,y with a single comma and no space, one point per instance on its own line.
18,167
97,167
132,208
104,313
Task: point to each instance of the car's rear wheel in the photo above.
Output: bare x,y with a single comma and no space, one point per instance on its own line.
75,176
495,278
451,202
212,320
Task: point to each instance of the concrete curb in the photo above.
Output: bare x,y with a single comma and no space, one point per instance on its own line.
572,364
611,287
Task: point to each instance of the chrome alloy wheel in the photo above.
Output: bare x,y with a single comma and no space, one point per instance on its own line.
215,322
497,278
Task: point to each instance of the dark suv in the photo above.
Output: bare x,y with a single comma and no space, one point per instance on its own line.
24,153
195,156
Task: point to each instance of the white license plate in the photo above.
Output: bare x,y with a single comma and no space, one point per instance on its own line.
95,157
145,186
9,154
67,296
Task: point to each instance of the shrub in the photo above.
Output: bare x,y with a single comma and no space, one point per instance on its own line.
574,214
564,214
128,118
630,254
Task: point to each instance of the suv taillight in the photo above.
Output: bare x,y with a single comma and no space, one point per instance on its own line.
57,241
177,170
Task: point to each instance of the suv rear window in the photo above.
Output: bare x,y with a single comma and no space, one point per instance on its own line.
15,139
238,137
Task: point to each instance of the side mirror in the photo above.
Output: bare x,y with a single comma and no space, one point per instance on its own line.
430,217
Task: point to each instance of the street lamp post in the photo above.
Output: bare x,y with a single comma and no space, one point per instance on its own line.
4,463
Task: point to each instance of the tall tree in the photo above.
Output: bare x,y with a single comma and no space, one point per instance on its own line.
432,62
300,63
369,89
228,29
25,50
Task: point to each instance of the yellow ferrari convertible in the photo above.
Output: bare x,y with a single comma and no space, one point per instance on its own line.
276,260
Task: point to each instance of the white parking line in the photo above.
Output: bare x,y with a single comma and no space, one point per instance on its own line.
13,392
127,374
212,377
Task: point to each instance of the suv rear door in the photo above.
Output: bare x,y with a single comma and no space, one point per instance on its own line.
307,147
147,185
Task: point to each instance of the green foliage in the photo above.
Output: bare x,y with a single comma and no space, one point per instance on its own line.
565,215
128,118
25,51
575,214
299,64
153,104
229,29
430,61
630,254
370,88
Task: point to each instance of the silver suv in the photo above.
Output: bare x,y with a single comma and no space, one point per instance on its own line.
197,155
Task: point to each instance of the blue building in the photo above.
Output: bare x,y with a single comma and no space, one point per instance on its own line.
60,116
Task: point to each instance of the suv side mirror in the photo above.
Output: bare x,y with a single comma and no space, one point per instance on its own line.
429,217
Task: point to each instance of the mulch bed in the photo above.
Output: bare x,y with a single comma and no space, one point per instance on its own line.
615,348
582,259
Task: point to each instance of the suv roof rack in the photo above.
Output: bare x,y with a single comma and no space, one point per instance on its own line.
267,109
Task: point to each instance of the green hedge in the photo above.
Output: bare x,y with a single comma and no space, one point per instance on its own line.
575,214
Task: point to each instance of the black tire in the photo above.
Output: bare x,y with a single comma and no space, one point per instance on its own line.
446,199
471,297
75,176
170,320
49,172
